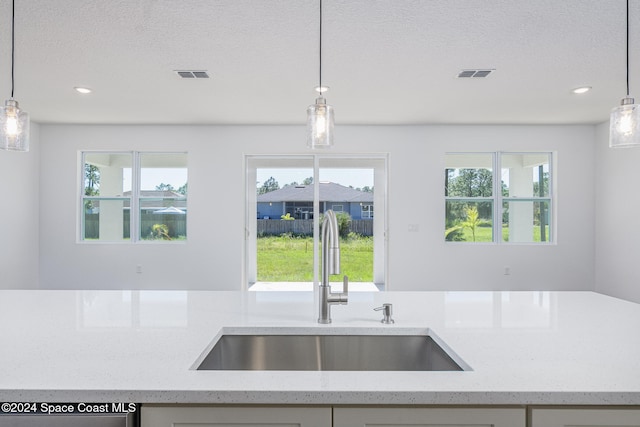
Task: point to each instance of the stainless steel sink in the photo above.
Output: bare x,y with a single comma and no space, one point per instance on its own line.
329,352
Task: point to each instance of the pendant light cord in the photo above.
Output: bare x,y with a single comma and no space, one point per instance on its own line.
627,48
13,43
320,52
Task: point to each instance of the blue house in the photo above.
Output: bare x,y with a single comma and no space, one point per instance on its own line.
297,201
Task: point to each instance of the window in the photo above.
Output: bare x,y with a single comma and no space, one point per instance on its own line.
162,200
469,201
516,188
286,199
298,210
105,207
366,211
526,197
133,197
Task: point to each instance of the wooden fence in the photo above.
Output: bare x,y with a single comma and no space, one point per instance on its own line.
364,227
178,226
276,227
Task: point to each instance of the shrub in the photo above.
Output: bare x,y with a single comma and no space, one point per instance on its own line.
160,231
344,223
454,234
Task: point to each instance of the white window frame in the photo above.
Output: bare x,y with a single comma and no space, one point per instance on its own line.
498,199
378,162
366,213
134,198
501,199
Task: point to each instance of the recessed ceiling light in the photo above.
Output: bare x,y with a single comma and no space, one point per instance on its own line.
83,90
321,89
582,89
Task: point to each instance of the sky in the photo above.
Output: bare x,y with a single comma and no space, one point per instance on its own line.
356,178
177,177
152,177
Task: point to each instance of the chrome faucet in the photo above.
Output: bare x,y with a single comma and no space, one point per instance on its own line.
330,265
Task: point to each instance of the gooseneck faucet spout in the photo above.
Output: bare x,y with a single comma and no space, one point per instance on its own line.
330,265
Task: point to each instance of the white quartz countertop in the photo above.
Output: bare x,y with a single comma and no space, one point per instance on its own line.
140,346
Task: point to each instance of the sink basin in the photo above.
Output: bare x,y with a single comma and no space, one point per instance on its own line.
329,352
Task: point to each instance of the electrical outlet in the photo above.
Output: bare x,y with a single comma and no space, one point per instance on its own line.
507,271
139,269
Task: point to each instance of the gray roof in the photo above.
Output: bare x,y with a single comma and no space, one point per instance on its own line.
329,192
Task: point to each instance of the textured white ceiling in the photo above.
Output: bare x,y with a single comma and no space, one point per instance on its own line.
386,61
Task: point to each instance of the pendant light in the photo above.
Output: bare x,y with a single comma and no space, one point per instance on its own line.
625,120
14,122
320,114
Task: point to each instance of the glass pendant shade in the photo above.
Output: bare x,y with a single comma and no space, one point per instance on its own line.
625,125
14,127
320,124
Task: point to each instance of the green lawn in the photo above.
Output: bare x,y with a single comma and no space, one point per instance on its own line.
290,259
484,234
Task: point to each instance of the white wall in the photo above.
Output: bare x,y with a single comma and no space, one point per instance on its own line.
424,261
617,218
212,257
19,174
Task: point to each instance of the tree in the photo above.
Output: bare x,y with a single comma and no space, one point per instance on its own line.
306,181
92,180
269,185
367,189
472,222
184,189
164,187
470,183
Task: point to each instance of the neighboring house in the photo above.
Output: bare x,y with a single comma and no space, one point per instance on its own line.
297,200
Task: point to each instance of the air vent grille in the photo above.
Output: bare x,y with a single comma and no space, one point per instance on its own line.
463,74
192,74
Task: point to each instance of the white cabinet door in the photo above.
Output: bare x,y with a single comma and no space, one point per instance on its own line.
585,417
429,417
213,416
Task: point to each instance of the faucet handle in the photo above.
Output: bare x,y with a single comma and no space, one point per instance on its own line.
343,297
387,311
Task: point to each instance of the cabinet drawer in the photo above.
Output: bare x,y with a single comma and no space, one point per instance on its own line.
429,417
234,416
585,417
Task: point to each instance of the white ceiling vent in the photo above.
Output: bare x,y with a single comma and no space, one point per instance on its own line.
474,73
192,74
